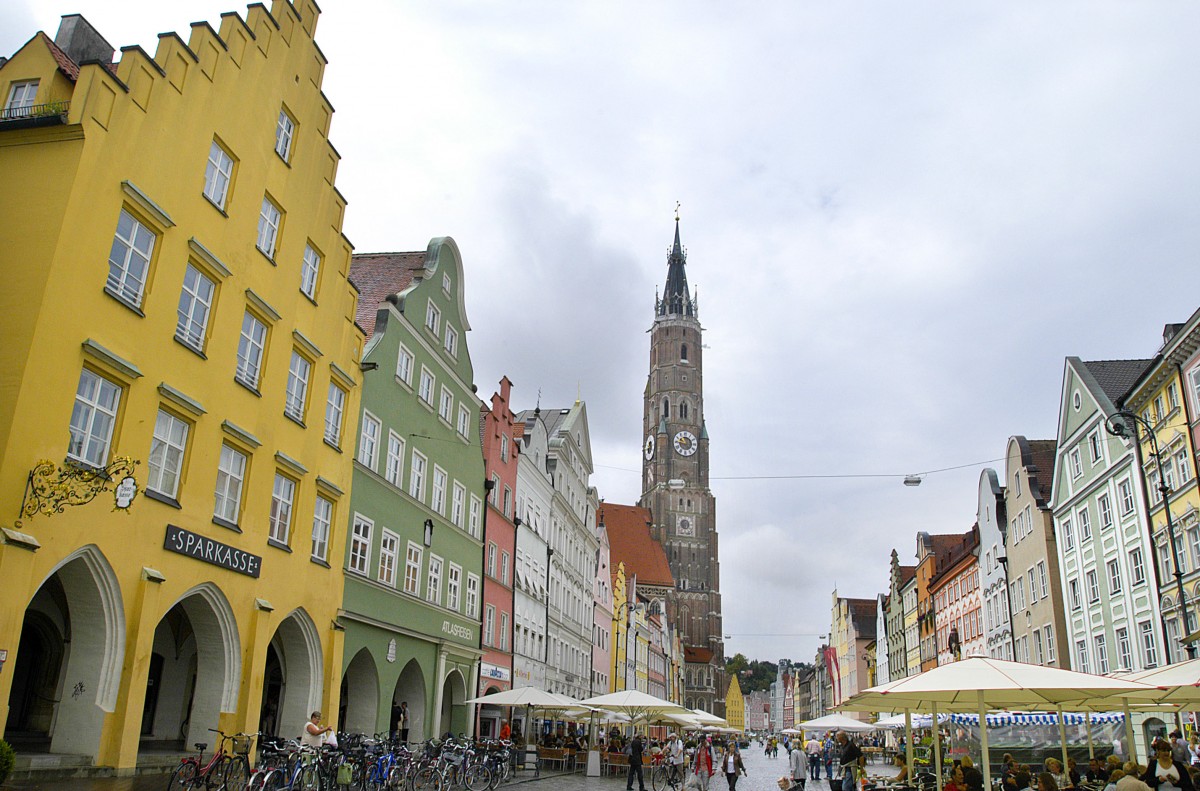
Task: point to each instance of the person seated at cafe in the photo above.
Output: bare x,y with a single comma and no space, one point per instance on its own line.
1061,779
581,742
1073,773
1023,779
1046,781
902,776
1097,771
957,783
971,775
1113,777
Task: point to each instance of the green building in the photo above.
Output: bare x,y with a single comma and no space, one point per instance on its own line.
414,557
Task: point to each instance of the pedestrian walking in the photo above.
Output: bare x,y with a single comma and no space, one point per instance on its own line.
827,752
798,764
634,751
731,765
813,749
852,759
703,764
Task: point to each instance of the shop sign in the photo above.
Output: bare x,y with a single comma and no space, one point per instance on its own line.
185,542
124,492
494,672
456,630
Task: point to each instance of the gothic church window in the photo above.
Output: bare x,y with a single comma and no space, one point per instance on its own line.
683,358
666,409
683,410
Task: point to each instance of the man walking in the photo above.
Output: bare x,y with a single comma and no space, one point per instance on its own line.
675,759
852,759
635,764
813,748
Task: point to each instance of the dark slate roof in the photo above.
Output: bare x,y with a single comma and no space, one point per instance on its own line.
863,613
377,276
1041,452
1116,377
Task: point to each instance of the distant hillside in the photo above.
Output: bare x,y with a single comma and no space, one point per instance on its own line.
754,675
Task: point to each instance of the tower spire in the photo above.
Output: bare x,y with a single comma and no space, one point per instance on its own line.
676,299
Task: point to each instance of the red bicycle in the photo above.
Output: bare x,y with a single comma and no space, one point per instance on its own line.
225,771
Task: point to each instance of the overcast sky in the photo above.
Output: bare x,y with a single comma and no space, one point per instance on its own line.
900,216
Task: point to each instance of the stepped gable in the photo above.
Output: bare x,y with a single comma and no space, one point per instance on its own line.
378,276
630,543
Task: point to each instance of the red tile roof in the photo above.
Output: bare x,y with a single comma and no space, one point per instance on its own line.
65,64
630,543
906,574
696,654
377,276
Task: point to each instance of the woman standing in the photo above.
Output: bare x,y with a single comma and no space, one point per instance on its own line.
731,764
1165,773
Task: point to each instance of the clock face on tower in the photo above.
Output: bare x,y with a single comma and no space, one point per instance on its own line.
648,448
685,443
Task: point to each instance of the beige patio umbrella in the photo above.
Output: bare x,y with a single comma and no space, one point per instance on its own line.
705,718
979,684
639,706
531,698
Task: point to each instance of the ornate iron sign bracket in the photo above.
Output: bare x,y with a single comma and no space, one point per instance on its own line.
51,487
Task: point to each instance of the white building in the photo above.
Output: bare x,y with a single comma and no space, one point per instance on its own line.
992,518
530,566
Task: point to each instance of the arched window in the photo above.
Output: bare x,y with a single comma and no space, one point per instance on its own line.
683,410
666,409
683,353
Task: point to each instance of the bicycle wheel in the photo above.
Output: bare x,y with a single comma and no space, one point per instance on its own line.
395,778
427,779
478,778
183,777
658,778
236,773
310,778
273,780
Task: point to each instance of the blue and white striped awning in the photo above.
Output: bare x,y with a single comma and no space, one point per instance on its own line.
1005,718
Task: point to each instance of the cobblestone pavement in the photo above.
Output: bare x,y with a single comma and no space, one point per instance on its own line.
761,775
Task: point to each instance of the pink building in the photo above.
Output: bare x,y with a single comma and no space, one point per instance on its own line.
602,615
957,602
499,538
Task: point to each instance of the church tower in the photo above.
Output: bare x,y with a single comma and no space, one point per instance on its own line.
675,482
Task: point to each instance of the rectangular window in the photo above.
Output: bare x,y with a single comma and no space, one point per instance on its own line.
503,631
195,303
453,586
1033,593
1094,446
1181,463
1101,654
504,566
389,548
416,477
310,269
1194,378
404,366
464,422
446,404
1125,496
1068,535
1037,647
1081,652
322,522
1051,651
1124,650
474,516
472,596
217,175
1085,524
269,219
425,391
433,589
451,341
1093,586
394,465
507,511
1073,591
231,474
1193,539
1076,463
432,317
1043,579
1114,576
250,350
412,569
335,409
1149,647
20,98
1173,396
297,387
368,440
129,260
1137,566
458,498
166,454
360,545
282,496
491,559
93,418
1104,505
285,128
489,625
438,503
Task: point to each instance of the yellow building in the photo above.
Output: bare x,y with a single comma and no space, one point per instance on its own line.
1161,405
177,312
735,704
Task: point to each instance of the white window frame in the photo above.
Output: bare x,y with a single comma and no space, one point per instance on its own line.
454,586
1114,576
1104,507
425,389
1137,566
1068,535
21,96
474,516
1043,579
165,460
129,259
1076,464
93,418
433,317
489,625
1124,649
1051,651
404,365
438,501
368,440
285,131
1095,450
458,496
270,220
393,467
491,559
195,306
503,631
1149,644
335,410
322,527
433,583
358,559
252,346
504,567
472,600
218,175
416,475
446,404
450,344
296,398
310,271
464,421
1073,594
389,552
231,478
1084,518
413,557
283,496
1092,579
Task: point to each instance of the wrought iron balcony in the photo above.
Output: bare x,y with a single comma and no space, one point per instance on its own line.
49,114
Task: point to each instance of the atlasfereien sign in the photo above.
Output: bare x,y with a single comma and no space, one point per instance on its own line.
185,542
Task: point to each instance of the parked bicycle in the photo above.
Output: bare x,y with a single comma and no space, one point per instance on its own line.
224,771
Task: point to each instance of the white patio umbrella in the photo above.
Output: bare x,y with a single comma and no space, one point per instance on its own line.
638,705
978,684
837,722
531,698
705,718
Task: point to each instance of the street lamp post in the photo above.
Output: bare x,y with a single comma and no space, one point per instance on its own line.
1124,424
